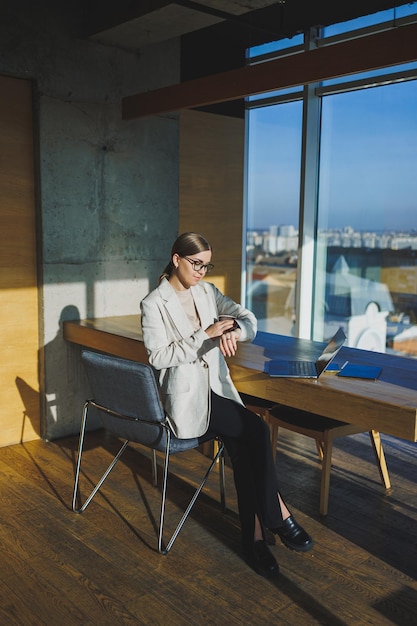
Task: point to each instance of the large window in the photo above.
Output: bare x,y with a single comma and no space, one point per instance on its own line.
273,193
362,274
367,227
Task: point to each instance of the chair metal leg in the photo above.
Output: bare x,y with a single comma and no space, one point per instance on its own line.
154,469
78,468
220,457
164,549
161,546
216,444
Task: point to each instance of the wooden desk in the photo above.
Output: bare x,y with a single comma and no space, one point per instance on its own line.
120,336
388,405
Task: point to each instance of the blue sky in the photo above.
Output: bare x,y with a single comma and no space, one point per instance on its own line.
369,157
368,170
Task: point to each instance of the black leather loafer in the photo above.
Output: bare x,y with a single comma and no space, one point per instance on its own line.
261,560
293,535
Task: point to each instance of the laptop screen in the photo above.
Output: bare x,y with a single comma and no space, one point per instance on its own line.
330,351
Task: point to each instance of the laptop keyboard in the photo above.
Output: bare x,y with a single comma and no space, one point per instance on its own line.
303,368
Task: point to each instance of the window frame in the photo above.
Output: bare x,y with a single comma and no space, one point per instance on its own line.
312,95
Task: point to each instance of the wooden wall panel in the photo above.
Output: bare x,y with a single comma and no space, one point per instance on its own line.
211,190
19,386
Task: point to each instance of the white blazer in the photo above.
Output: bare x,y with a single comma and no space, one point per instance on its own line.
189,362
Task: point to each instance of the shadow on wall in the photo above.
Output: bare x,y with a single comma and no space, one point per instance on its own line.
62,383
31,403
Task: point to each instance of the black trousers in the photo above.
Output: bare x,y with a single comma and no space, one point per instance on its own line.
246,439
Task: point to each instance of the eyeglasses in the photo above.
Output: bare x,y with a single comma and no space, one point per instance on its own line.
198,265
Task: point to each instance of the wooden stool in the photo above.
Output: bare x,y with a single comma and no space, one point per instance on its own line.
324,430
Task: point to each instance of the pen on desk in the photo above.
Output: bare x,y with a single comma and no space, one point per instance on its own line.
344,365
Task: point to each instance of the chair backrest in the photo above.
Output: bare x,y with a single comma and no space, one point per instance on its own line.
129,388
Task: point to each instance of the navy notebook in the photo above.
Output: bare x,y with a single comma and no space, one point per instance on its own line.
369,372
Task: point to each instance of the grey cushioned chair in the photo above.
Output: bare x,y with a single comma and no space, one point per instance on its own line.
127,397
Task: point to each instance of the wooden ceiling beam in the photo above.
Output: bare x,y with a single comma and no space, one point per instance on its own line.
391,47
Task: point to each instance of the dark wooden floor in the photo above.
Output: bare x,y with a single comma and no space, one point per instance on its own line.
101,568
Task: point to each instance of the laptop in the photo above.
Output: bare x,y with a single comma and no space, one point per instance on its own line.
307,369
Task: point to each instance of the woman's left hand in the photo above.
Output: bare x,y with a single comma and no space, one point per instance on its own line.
228,342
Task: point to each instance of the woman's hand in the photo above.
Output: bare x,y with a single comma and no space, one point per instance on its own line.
228,337
228,342
218,329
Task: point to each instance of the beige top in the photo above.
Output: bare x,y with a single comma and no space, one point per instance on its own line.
187,302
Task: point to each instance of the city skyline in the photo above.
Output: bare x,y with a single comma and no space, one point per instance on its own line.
285,238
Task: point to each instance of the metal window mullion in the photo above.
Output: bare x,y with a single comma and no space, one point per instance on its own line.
308,213
244,269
